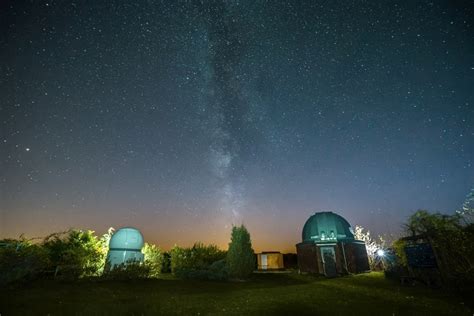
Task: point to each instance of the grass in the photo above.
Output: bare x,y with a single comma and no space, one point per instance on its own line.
264,294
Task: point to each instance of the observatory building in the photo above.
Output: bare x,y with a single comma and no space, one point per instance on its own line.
329,247
125,246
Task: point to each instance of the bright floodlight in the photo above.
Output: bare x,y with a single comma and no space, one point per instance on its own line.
380,253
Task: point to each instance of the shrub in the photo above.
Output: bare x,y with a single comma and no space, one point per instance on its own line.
153,259
166,263
240,257
451,240
196,262
128,271
21,260
371,246
75,253
217,271
399,249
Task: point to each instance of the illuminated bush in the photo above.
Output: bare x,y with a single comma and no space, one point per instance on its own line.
128,271
372,245
153,259
75,253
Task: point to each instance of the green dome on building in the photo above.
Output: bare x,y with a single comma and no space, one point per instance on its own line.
127,238
327,227
125,246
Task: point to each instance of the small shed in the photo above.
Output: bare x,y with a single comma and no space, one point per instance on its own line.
270,260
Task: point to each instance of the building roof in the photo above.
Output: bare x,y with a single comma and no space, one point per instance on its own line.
327,227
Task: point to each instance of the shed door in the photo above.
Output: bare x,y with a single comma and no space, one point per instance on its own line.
264,262
329,261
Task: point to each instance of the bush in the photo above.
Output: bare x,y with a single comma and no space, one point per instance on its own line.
240,257
197,262
217,271
451,240
166,263
153,259
21,260
75,253
128,271
372,245
399,249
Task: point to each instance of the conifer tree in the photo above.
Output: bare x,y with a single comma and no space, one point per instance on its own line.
240,257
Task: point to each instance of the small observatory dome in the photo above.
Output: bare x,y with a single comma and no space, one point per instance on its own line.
327,226
127,238
125,246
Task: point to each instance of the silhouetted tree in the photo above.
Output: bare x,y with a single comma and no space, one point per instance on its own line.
240,257
451,241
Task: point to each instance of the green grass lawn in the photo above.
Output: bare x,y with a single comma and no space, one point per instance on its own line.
264,294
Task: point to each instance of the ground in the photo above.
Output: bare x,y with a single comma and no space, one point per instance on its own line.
280,294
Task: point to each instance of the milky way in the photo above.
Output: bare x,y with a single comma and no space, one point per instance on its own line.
183,118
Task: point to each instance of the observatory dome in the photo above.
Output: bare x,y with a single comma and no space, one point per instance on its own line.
126,238
327,227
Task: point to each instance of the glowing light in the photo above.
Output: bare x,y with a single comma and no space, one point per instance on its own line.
380,253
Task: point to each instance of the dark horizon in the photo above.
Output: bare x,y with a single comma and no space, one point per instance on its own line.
184,118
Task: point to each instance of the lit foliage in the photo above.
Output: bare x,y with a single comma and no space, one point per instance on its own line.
71,255
105,240
371,245
75,253
240,257
467,210
128,271
153,259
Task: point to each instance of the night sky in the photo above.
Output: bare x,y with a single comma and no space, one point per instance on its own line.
183,118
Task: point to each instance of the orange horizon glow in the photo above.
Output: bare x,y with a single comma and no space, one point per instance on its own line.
266,236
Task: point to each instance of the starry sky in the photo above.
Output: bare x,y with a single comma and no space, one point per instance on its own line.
182,118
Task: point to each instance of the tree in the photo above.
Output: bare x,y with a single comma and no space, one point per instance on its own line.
198,262
21,260
75,253
424,223
105,240
240,257
451,241
197,257
467,210
153,259
371,245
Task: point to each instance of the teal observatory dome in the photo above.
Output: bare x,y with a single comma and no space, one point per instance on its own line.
327,227
125,246
127,238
